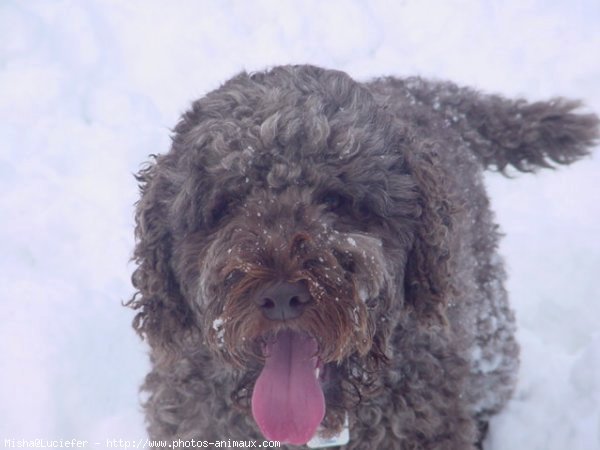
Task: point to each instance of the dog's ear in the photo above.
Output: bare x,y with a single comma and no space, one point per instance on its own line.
162,316
427,282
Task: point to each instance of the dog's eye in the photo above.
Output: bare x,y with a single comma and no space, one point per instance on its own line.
333,201
233,277
219,211
364,211
345,260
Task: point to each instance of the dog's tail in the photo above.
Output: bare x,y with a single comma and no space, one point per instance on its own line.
526,135
516,133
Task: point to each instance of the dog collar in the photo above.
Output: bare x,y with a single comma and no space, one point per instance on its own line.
341,438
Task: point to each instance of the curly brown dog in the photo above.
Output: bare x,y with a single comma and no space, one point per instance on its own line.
315,250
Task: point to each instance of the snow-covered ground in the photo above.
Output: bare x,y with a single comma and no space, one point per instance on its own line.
89,88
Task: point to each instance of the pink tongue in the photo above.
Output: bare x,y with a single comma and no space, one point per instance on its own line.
287,402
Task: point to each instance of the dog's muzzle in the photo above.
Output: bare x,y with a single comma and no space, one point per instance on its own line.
283,300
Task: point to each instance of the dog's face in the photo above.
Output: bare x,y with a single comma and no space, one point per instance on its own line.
290,212
287,291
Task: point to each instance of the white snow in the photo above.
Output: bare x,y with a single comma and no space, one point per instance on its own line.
218,326
89,88
218,323
363,294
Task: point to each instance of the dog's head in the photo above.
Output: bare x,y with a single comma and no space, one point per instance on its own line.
289,228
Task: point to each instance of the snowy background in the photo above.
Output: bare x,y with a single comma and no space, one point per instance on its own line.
89,88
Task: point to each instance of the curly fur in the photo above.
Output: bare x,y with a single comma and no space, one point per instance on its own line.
371,194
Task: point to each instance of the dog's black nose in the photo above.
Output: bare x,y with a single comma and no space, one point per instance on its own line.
282,300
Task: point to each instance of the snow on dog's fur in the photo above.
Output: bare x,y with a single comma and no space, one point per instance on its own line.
314,247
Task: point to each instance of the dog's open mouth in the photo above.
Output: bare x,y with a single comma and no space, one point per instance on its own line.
288,402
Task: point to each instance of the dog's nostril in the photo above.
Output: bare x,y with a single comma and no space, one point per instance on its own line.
294,302
267,303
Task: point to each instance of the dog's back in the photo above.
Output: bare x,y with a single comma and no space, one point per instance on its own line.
469,132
